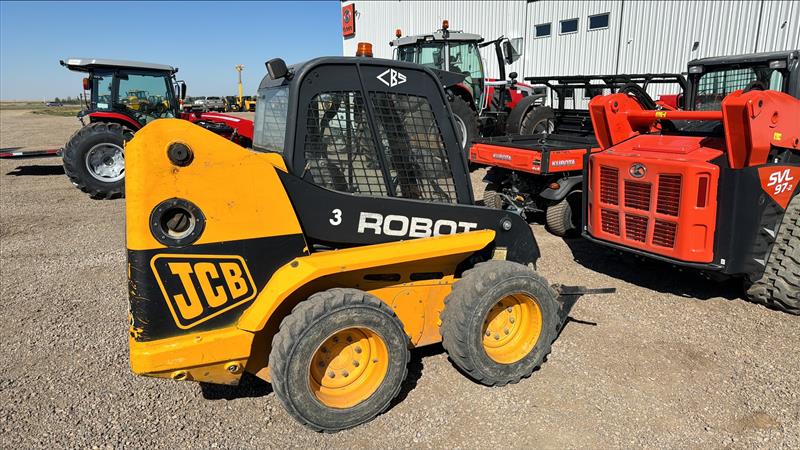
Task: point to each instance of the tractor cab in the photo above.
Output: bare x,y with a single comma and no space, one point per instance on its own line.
136,93
450,51
459,52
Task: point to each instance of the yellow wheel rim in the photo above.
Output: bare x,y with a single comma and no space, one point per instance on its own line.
348,367
512,328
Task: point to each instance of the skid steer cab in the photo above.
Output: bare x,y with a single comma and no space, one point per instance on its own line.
317,259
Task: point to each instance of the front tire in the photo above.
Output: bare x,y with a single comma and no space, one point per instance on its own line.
338,359
538,120
491,196
499,321
564,217
466,120
779,286
94,159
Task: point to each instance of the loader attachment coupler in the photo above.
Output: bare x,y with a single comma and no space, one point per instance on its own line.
569,295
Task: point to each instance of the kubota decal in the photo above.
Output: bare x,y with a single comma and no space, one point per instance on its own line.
199,287
779,182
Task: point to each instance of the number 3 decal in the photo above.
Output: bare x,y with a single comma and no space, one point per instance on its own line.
337,217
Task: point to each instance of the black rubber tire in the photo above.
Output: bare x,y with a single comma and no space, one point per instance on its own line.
491,199
534,117
74,158
564,218
306,328
779,286
467,306
469,117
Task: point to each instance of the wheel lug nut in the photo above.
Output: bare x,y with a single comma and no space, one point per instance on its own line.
375,360
356,364
508,309
506,331
357,349
512,320
336,339
488,333
349,338
321,364
324,350
331,374
496,337
345,373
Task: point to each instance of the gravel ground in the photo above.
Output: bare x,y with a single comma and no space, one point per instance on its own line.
670,360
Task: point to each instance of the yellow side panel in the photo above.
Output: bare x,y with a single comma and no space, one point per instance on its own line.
305,269
238,190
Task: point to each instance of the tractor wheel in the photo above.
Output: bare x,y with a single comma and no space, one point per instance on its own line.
499,321
94,159
466,123
538,120
779,286
491,198
564,218
338,359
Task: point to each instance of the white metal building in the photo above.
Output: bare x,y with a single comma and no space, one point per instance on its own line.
590,37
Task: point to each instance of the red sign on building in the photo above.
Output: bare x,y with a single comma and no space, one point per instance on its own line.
349,20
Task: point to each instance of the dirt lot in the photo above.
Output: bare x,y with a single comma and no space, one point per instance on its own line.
671,360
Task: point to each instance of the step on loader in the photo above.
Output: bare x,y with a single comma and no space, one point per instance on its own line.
317,259
713,187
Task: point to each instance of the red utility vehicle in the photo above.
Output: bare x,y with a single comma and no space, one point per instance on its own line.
541,170
122,97
712,188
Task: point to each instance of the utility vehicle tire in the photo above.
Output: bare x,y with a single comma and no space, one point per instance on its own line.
564,218
779,286
491,198
499,321
351,335
94,159
466,123
538,120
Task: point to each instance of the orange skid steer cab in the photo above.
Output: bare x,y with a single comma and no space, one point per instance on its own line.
317,259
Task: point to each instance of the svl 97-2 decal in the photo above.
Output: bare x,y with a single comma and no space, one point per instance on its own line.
779,182
200,287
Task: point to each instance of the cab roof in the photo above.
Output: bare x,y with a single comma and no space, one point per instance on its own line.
89,64
785,55
436,36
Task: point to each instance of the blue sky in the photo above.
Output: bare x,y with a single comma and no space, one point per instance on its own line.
204,39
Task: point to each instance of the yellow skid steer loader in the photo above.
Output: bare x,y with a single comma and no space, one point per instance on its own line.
317,259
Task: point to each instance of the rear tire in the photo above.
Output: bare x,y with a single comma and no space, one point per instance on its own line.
538,120
94,159
314,342
499,321
779,286
564,218
466,124
491,196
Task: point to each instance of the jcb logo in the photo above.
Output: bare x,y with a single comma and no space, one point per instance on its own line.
200,287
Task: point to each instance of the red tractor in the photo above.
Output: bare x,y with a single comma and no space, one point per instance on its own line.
122,97
712,187
481,106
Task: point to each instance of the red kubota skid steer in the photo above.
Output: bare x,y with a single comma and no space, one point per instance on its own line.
714,188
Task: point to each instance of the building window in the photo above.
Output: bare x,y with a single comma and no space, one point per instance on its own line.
598,22
542,30
569,26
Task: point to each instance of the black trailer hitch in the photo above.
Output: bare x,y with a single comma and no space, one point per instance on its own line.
569,295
